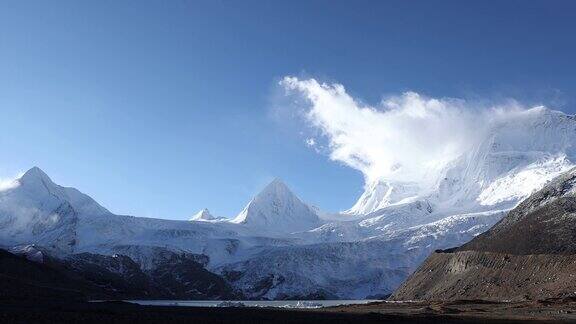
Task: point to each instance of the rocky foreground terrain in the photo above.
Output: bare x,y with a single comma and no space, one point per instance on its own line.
90,276
545,311
529,255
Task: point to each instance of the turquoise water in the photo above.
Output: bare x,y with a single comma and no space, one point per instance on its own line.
251,303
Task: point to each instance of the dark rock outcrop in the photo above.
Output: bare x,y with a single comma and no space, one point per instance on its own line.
95,276
21,278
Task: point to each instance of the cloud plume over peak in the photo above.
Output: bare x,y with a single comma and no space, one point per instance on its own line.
10,182
407,138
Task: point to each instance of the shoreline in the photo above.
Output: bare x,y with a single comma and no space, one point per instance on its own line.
64,311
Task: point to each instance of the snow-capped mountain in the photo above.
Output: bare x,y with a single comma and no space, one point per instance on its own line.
380,194
281,247
205,216
513,159
277,210
35,210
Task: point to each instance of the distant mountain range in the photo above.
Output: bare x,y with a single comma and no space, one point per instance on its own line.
279,247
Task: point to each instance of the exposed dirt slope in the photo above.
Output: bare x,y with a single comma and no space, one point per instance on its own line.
491,276
530,254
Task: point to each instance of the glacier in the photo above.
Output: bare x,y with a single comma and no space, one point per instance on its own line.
279,247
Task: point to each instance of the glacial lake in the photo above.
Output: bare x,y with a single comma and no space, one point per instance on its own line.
251,303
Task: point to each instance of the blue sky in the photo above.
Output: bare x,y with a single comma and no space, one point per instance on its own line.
161,108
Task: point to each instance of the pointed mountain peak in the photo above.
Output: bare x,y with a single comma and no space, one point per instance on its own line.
275,185
37,184
203,215
35,171
277,182
277,209
35,174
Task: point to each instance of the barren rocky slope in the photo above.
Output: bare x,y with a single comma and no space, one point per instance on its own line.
530,254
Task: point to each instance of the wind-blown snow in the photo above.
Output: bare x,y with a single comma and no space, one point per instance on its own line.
9,183
407,144
404,139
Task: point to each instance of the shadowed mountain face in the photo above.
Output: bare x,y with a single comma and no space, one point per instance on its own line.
24,279
530,254
94,276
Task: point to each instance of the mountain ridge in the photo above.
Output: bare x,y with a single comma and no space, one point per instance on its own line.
284,247
205,216
277,209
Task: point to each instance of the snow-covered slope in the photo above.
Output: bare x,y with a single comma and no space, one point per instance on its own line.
205,216
380,194
280,247
513,159
35,210
277,210
365,268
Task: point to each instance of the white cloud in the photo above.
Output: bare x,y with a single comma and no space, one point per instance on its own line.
408,137
310,142
11,182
